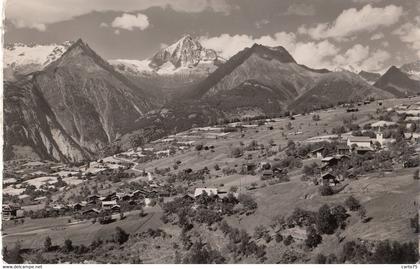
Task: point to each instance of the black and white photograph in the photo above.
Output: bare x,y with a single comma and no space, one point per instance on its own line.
168,132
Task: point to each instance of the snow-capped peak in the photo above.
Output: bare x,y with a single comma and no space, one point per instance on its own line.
23,59
186,52
184,56
412,69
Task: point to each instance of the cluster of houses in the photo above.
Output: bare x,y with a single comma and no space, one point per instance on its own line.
111,203
10,212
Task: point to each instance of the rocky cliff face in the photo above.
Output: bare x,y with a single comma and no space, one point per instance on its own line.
187,52
89,105
31,128
93,103
172,70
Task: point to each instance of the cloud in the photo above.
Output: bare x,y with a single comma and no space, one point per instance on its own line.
352,21
38,14
163,45
129,22
353,56
367,1
377,36
409,33
313,54
103,24
322,54
360,57
376,61
303,9
261,23
227,45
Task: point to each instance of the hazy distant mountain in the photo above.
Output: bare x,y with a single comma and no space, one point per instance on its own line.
412,69
92,102
334,88
370,76
172,70
398,83
21,59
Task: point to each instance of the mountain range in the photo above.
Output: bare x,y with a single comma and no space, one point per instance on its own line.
65,102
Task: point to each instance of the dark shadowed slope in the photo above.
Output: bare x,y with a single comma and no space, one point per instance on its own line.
94,103
335,88
31,128
398,83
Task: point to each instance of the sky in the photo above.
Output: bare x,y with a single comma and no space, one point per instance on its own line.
366,35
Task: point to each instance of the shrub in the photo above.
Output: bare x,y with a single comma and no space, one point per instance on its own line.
320,259
352,203
279,238
68,245
47,244
201,253
416,175
340,215
414,223
313,238
120,236
288,240
260,231
13,256
325,221
362,212
388,252
236,152
247,201
326,190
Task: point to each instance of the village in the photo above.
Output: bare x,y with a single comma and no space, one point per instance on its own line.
227,167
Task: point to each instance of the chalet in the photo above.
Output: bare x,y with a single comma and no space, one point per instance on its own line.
249,167
359,141
383,124
40,199
91,211
140,193
110,197
362,150
115,208
412,118
93,198
329,179
277,171
317,153
343,149
414,137
107,205
77,206
24,198
188,197
123,196
331,161
267,174
208,191
10,212
352,109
